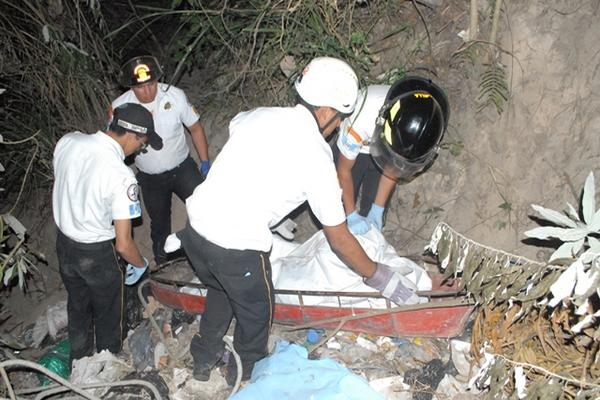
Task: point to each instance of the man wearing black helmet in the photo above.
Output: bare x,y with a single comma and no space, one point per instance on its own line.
392,136
94,198
172,169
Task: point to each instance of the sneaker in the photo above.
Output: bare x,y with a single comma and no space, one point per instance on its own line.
202,372
231,373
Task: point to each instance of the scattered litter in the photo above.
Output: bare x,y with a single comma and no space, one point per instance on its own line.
453,389
101,367
392,388
313,336
333,344
180,376
461,357
57,361
426,380
50,322
133,391
141,346
161,356
179,318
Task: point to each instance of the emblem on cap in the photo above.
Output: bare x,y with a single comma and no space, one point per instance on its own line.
141,73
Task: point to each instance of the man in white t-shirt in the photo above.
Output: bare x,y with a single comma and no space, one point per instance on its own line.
170,169
94,199
276,158
415,129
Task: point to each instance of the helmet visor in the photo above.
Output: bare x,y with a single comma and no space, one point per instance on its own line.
394,165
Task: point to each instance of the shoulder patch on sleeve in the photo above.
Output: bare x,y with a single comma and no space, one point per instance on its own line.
133,192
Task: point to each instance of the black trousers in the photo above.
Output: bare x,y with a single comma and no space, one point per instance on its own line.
94,282
365,176
238,284
157,190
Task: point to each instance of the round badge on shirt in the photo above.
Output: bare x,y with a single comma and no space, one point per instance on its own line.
133,192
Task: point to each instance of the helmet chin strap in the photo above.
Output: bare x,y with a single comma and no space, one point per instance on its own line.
313,112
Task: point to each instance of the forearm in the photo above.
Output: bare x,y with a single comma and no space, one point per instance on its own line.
344,170
347,248
124,244
199,140
130,253
384,190
347,192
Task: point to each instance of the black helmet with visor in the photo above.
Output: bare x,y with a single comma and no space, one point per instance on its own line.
409,128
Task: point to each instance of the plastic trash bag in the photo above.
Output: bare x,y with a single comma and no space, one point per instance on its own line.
287,374
57,361
50,322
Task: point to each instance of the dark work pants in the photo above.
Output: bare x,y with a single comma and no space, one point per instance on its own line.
157,190
365,176
238,284
94,282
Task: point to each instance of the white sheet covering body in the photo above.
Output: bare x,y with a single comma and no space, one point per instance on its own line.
313,266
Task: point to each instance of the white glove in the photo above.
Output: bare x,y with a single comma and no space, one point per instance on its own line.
286,229
393,285
172,243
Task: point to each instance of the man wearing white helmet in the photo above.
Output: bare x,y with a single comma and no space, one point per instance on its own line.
276,158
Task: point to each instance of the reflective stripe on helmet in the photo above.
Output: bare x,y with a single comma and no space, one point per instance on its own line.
387,129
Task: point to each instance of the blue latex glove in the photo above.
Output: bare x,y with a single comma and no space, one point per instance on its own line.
358,224
133,273
376,216
204,167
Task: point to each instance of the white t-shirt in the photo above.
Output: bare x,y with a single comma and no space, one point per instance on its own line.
171,111
92,187
274,160
356,132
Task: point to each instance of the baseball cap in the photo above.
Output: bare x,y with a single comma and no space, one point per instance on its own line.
136,119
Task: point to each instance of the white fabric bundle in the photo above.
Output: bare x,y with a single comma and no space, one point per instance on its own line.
313,266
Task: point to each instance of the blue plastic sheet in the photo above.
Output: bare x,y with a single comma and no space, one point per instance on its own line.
288,374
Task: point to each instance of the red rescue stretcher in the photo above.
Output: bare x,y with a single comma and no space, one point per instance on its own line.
444,316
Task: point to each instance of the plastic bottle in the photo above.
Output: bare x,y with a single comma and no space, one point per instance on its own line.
313,336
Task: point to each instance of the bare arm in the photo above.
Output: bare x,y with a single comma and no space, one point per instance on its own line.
199,140
385,188
347,248
124,243
344,171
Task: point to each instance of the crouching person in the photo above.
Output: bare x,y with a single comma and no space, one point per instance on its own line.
276,158
94,199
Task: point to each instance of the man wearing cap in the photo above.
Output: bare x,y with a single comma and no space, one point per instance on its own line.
94,199
172,169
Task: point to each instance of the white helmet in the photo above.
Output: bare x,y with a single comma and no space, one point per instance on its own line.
328,82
